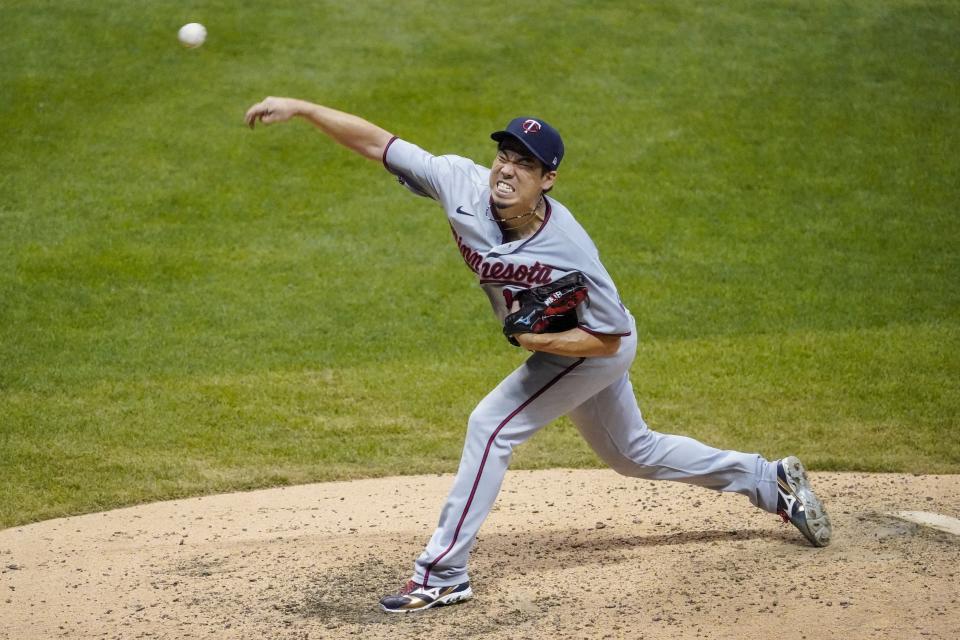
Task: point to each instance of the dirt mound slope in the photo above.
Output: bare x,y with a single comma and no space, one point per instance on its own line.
565,554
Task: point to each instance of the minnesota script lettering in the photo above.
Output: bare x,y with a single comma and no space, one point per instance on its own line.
501,271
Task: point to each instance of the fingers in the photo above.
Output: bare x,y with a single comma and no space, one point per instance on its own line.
261,111
253,113
258,112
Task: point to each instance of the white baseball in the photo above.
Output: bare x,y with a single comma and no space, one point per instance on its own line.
192,35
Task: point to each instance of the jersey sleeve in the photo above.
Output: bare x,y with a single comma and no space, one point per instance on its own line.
426,174
603,313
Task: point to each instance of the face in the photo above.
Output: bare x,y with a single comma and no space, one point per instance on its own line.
517,179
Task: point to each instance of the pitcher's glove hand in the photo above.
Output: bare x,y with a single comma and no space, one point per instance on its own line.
549,308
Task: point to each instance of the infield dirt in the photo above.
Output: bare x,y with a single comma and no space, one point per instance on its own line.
565,554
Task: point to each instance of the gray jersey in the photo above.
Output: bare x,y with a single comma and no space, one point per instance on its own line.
559,247
594,392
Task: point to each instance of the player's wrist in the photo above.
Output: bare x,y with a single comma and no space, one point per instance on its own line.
302,108
529,341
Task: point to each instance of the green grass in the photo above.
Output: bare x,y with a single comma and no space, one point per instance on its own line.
189,307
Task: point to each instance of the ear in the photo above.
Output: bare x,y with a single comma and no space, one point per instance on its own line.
546,182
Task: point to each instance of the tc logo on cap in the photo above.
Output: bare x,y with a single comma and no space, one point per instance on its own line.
531,126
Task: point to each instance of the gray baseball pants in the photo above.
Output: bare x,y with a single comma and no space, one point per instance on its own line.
597,396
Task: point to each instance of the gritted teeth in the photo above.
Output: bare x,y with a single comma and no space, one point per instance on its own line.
503,187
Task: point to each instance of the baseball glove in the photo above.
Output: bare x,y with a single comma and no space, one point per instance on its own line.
549,308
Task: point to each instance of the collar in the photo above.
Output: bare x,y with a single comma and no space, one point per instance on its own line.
516,245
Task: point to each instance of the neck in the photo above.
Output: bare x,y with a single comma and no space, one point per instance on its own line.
519,224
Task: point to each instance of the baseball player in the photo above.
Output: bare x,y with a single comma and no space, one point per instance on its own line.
553,296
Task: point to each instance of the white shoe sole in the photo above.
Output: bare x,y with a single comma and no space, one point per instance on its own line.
816,526
453,598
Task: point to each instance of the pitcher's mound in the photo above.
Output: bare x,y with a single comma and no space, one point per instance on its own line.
565,554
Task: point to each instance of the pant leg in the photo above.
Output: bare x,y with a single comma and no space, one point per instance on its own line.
611,422
544,388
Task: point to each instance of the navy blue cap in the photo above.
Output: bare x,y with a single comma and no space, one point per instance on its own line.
542,140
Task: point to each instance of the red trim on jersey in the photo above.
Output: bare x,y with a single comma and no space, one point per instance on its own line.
483,462
546,217
525,284
383,159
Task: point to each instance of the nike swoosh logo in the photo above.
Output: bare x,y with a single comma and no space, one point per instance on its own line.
462,212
